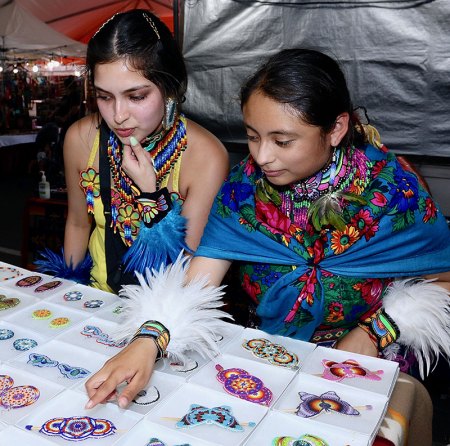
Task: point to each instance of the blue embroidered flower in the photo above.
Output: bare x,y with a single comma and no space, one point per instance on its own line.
405,191
234,193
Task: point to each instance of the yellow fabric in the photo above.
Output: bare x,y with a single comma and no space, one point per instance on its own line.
97,239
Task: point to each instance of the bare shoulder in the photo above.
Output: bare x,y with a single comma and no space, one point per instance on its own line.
204,146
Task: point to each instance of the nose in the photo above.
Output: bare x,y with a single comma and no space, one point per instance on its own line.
121,113
264,153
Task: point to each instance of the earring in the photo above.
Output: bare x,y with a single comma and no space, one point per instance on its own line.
169,113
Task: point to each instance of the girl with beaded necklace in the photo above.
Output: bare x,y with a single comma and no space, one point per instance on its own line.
339,244
145,173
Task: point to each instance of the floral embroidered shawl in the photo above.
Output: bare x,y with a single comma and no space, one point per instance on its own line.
399,232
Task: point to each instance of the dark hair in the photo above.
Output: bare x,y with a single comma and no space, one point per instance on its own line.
310,82
147,45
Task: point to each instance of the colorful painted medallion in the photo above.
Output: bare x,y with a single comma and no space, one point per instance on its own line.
313,405
94,303
303,440
184,367
73,372
59,322
337,371
240,383
72,296
48,286
28,281
5,334
20,396
6,382
147,397
220,416
77,428
276,354
8,302
158,442
37,360
41,313
24,344
8,273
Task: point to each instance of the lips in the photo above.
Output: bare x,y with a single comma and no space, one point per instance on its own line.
124,133
273,173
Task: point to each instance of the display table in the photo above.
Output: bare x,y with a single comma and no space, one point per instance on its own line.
15,139
54,334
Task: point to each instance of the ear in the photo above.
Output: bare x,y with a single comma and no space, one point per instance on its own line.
340,129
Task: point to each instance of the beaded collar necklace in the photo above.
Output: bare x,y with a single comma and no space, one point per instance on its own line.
164,156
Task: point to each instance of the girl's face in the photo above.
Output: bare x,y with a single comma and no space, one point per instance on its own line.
285,147
130,104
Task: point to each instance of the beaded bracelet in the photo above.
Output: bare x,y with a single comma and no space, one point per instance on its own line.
381,328
153,206
158,332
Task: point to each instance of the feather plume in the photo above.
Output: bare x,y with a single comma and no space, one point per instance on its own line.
421,311
189,310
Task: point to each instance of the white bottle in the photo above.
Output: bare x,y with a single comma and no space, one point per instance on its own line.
44,187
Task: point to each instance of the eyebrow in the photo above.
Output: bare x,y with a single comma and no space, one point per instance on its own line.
273,132
129,90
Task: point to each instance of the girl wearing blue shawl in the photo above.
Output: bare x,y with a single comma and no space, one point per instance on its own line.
338,242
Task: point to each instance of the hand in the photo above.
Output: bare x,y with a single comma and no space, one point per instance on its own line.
133,365
357,341
138,165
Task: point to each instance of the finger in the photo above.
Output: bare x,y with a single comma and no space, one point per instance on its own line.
131,390
100,393
138,150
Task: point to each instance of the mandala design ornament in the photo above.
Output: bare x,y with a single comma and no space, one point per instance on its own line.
76,428
312,405
48,286
28,281
16,397
276,354
5,334
72,296
219,416
8,302
24,344
42,313
94,303
147,397
337,371
59,322
303,440
240,383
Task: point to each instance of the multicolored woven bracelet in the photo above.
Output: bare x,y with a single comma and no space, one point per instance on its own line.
158,332
381,328
154,206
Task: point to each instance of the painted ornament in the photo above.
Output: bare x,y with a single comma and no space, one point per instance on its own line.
76,428
337,371
72,296
73,372
8,302
59,322
158,442
275,354
41,313
240,383
5,334
16,397
37,360
94,303
24,344
48,286
8,273
303,440
219,416
28,281
92,331
328,402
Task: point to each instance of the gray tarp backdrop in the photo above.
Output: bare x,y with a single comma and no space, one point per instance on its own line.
396,55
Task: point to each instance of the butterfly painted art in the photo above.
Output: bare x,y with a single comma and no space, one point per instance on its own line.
303,440
240,383
275,354
219,416
66,370
18,396
76,428
313,405
337,371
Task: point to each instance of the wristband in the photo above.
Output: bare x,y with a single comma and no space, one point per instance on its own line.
382,330
153,206
158,332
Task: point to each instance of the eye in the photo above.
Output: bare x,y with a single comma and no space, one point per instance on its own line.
138,98
252,138
102,97
284,143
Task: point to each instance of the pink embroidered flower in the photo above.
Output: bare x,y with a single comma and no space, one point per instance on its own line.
370,289
251,288
342,240
336,312
379,199
378,167
430,210
365,224
249,168
276,222
115,198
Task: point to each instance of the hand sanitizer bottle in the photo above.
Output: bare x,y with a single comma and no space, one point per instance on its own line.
44,187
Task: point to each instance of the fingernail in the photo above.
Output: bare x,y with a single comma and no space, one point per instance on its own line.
123,402
89,404
133,141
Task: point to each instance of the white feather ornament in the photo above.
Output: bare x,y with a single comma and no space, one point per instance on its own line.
421,311
190,310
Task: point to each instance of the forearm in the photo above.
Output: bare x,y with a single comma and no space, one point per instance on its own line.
76,239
